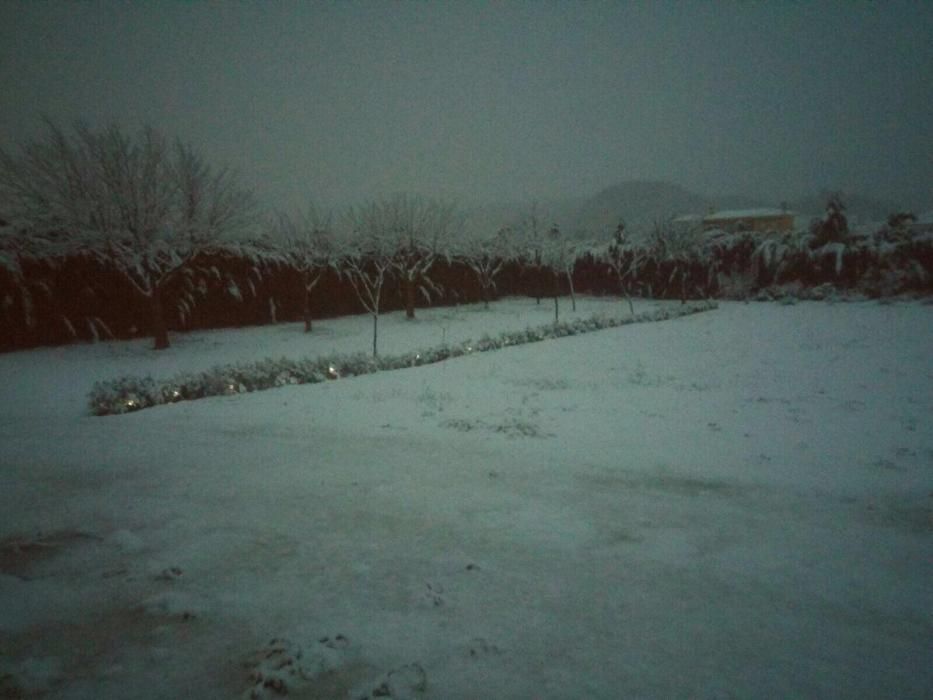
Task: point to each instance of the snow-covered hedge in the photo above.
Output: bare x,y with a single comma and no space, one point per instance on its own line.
127,394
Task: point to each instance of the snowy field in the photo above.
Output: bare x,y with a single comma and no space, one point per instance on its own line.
733,504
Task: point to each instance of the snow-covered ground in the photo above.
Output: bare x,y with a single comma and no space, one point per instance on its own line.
733,504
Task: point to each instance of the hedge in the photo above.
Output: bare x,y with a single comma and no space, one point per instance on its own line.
127,394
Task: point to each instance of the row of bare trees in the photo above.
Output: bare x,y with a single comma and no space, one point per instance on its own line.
152,210
402,238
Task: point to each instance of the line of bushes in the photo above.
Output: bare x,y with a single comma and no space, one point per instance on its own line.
127,394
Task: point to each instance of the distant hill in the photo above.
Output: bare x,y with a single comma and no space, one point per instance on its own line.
639,204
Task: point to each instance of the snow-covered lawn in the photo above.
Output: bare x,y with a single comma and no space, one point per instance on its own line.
732,504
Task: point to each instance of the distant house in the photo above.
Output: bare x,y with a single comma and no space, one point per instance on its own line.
762,219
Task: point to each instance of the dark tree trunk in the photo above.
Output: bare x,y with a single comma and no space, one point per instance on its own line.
159,329
556,295
626,290
306,312
409,298
375,334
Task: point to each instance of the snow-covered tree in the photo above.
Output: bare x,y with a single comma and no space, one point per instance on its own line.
531,245
135,202
310,246
680,247
367,259
420,230
560,255
487,256
834,226
553,255
624,259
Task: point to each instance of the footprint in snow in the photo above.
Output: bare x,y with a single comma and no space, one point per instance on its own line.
434,594
407,682
479,647
283,666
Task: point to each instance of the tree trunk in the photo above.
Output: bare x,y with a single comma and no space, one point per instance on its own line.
627,293
555,278
573,298
307,310
375,334
159,329
409,298
485,295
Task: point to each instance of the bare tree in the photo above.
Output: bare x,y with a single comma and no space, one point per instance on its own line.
132,201
680,246
561,255
367,259
310,247
551,253
531,249
486,258
420,231
624,259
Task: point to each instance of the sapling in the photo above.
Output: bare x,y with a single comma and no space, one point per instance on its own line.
624,259
367,259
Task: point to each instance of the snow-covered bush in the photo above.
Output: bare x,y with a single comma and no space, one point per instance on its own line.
127,394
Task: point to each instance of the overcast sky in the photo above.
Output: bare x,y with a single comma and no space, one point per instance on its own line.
496,101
